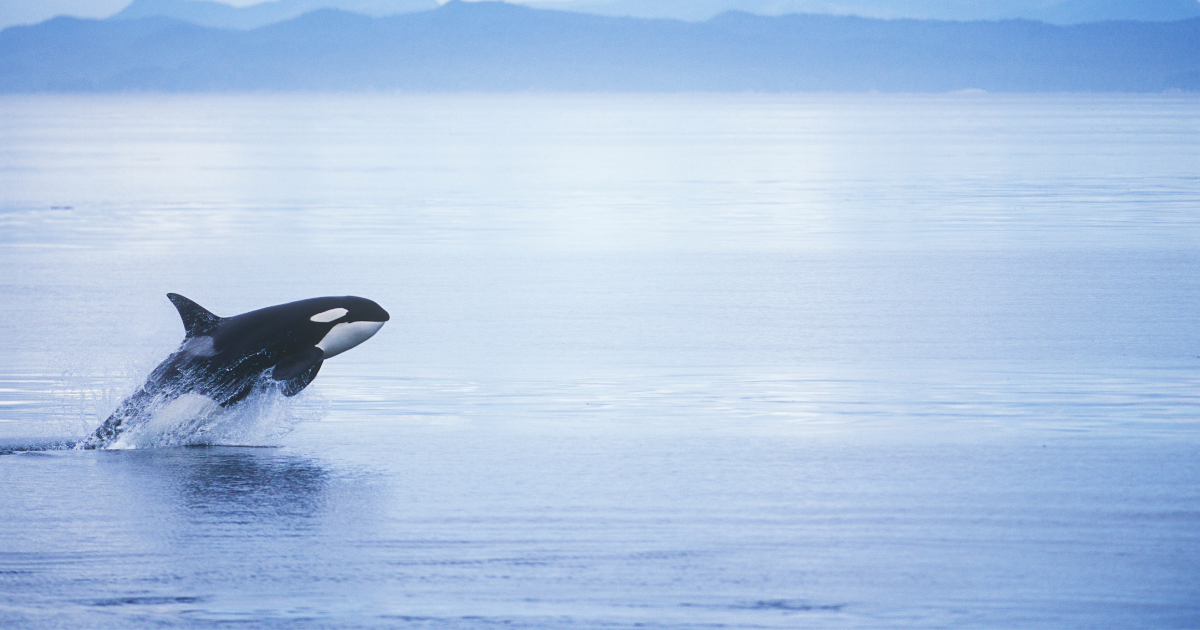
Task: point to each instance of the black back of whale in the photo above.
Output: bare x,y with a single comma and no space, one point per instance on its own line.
225,358
282,337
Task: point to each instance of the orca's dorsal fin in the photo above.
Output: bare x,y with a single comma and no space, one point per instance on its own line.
197,320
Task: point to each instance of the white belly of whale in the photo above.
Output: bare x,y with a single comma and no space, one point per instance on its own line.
346,335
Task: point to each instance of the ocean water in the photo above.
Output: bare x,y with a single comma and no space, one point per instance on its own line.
685,361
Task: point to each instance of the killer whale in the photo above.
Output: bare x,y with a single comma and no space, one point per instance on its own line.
223,359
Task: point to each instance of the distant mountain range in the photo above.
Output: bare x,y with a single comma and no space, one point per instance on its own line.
1052,11
220,15
490,46
212,13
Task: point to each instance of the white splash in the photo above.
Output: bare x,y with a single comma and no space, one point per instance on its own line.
171,423
262,419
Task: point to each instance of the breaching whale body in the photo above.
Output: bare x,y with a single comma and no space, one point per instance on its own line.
222,360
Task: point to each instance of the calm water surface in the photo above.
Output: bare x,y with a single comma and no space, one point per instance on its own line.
677,362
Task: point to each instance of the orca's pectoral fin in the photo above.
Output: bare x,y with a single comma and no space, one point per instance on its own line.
295,372
296,385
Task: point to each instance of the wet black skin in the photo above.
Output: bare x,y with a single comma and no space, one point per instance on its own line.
226,358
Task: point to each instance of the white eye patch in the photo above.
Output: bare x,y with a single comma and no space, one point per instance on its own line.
329,315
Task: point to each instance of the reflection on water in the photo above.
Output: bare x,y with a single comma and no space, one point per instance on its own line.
174,522
240,484
680,362
523,524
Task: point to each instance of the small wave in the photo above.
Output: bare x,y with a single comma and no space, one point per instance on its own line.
144,601
783,605
788,605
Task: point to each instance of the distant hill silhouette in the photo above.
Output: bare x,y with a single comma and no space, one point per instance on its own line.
1053,11
220,15
498,47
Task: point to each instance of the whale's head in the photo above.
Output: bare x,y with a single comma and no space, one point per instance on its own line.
351,321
